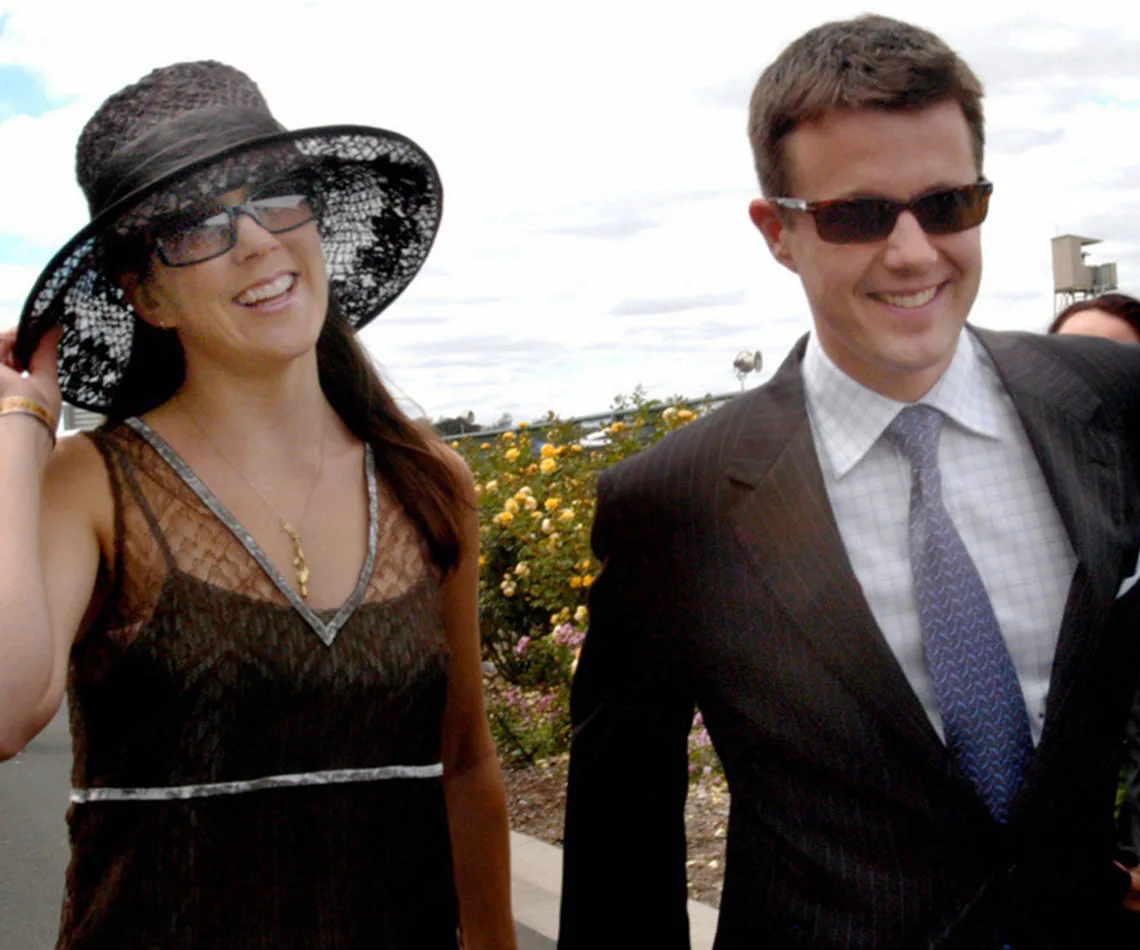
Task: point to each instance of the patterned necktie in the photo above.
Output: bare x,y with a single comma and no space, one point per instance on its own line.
975,684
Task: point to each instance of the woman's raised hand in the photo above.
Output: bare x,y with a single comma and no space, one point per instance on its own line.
41,382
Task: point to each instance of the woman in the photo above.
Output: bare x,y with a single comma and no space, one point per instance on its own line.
1111,316
258,579
1116,317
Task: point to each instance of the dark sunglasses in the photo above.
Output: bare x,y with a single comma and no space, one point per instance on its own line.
195,236
862,220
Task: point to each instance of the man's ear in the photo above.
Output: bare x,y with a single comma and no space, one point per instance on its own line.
769,221
143,298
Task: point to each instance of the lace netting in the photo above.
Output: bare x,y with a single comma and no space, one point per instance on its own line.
167,528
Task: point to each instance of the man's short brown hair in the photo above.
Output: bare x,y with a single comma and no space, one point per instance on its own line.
870,62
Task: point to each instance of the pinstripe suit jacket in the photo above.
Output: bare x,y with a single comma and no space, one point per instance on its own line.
726,585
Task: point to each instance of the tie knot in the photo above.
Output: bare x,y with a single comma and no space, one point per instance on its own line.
916,430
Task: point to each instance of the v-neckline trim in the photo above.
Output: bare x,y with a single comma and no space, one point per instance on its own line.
326,630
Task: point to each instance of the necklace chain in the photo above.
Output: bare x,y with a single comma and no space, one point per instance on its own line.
300,564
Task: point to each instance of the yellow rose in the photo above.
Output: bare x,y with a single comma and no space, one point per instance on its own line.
485,446
547,525
511,455
492,485
503,517
511,505
587,580
575,447
685,415
524,425
581,615
669,414
575,582
522,569
566,514
530,502
532,469
455,445
551,503
547,466
507,437
549,451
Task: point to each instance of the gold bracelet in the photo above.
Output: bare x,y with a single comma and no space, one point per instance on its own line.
20,406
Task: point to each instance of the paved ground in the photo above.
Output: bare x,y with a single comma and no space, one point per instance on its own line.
34,853
33,839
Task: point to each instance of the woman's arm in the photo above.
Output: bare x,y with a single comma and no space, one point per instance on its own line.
50,504
473,785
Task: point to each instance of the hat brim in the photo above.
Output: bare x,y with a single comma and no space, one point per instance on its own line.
380,202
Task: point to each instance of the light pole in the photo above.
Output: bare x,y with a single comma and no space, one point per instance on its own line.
746,363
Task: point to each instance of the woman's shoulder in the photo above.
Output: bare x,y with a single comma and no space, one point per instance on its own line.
77,485
77,465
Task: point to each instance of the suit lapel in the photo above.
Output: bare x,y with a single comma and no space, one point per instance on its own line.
1086,469
781,515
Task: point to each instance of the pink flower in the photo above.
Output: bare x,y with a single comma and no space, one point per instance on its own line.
520,647
568,635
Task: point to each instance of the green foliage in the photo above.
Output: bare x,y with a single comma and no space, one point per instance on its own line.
536,489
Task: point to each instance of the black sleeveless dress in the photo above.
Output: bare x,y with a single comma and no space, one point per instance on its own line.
251,773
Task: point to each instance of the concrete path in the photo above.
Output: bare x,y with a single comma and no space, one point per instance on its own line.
536,882
34,853
33,839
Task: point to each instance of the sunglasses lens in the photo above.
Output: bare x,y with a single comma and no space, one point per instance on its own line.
855,220
282,212
189,238
953,210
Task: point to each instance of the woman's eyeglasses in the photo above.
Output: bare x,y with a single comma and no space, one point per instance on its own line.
863,220
196,236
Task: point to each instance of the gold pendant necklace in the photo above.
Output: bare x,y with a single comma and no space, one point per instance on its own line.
300,565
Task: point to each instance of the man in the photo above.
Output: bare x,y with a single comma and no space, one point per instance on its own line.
897,579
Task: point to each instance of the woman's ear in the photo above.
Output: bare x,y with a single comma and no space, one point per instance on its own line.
143,299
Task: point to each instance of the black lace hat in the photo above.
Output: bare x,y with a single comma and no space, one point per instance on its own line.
187,133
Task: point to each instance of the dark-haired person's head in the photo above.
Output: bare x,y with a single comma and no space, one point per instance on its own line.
1110,316
868,137
869,62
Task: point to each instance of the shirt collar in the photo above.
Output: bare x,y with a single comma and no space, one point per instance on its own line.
849,418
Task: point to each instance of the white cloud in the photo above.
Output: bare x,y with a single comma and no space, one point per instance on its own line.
594,154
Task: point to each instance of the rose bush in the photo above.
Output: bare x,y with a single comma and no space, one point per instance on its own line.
536,487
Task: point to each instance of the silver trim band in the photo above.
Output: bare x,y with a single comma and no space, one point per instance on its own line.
82,796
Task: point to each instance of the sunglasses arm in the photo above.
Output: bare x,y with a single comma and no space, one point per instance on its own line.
792,204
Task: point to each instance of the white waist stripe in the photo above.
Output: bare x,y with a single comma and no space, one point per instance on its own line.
81,796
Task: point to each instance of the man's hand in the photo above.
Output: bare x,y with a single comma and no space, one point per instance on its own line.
1132,899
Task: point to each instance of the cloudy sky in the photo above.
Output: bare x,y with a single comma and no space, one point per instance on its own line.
595,165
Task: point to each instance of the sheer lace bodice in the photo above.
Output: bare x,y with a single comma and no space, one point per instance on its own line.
248,772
